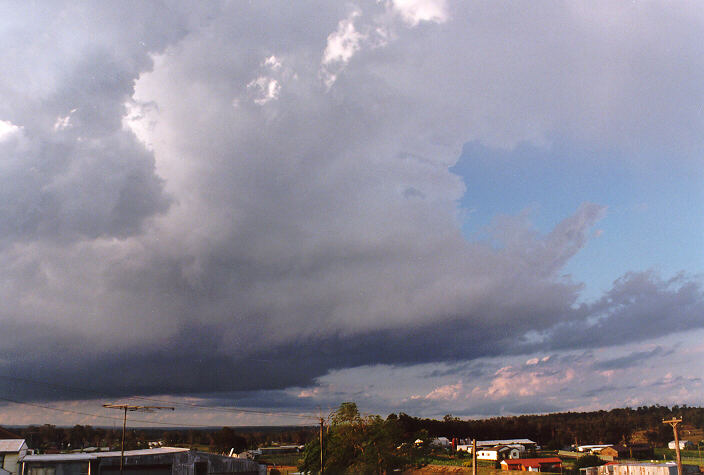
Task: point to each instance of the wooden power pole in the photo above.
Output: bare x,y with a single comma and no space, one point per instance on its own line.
125,408
474,456
673,422
321,445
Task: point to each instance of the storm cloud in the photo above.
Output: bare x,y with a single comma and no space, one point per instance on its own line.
256,195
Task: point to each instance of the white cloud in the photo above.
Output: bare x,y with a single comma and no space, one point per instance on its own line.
416,11
63,122
265,89
272,62
510,381
449,392
139,119
8,129
344,42
308,393
341,46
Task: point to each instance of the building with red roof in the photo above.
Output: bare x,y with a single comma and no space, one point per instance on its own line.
544,464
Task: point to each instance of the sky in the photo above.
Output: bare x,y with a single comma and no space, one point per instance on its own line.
254,211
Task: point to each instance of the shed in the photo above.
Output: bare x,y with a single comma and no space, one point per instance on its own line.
544,464
645,468
593,448
160,461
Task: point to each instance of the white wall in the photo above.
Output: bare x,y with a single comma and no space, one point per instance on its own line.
10,463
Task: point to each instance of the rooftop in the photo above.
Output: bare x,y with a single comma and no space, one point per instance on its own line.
504,442
11,445
96,455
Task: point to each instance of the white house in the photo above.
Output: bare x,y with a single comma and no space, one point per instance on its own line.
441,442
517,451
526,444
10,452
684,444
482,446
500,452
488,454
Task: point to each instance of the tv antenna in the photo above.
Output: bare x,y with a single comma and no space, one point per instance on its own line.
130,408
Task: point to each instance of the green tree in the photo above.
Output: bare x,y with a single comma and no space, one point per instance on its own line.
226,439
588,461
77,436
356,444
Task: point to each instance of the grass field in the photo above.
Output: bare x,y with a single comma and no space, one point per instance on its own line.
280,459
689,457
457,461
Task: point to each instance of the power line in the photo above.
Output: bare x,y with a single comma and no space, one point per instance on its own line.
81,413
178,403
228,409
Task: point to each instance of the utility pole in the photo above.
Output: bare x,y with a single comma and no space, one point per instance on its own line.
673,422
321,445
474,456
125,408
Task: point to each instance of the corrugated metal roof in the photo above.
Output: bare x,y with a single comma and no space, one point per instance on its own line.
59,457
503,442
154,451
11,445
96,455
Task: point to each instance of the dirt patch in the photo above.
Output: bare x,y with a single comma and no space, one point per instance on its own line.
429,469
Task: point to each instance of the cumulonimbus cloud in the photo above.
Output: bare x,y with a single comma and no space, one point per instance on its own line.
200,205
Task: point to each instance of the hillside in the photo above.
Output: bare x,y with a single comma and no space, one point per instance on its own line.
639,425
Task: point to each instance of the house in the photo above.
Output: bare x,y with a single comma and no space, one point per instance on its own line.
527,444
443,442
10,452
608,453
592,449
159,461
545,464
500,452
684,444
643,468
488,454
635,451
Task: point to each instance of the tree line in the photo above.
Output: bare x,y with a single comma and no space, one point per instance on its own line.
50,438
557,430
552,431
369,444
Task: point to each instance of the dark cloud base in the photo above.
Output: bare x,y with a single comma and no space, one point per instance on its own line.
194,362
